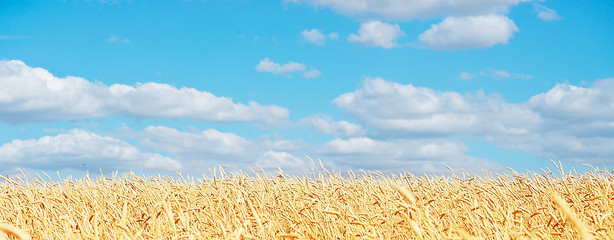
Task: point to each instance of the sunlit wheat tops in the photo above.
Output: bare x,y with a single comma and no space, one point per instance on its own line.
262,205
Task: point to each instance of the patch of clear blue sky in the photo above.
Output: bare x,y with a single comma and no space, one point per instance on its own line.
211,46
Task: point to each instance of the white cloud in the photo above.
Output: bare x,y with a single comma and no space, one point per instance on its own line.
33,94
566,123
469,32
199,150
155,100
405,110
324,124
312,73
377,34
316,36
391,106
400,155
413,9
466,23
500,74
545,13
266,65
569,102
283,160
195,151
564,146
465,76
80,150
208,142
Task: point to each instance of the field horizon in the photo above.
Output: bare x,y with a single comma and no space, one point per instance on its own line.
267,205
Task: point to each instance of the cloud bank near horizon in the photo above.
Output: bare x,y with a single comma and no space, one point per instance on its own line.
568,122
397,126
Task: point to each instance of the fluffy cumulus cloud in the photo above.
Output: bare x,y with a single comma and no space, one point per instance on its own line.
466,23
34,94
406,109
30,94
193,151
545,13
325,125
412,9
199,150
266,65
469,32
80,150
145,101
317,37
391,106
566,123
314,36
567,102
402,155
377,34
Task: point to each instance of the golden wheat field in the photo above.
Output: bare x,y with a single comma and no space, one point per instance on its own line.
261,205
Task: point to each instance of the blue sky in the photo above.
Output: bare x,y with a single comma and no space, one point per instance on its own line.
164,86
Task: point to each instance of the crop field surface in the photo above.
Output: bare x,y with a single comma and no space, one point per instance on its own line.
262,205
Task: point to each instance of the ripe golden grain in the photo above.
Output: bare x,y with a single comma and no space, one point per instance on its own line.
11,230
326,206
408,196
575,221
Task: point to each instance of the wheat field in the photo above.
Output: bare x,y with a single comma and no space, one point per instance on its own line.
327,205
